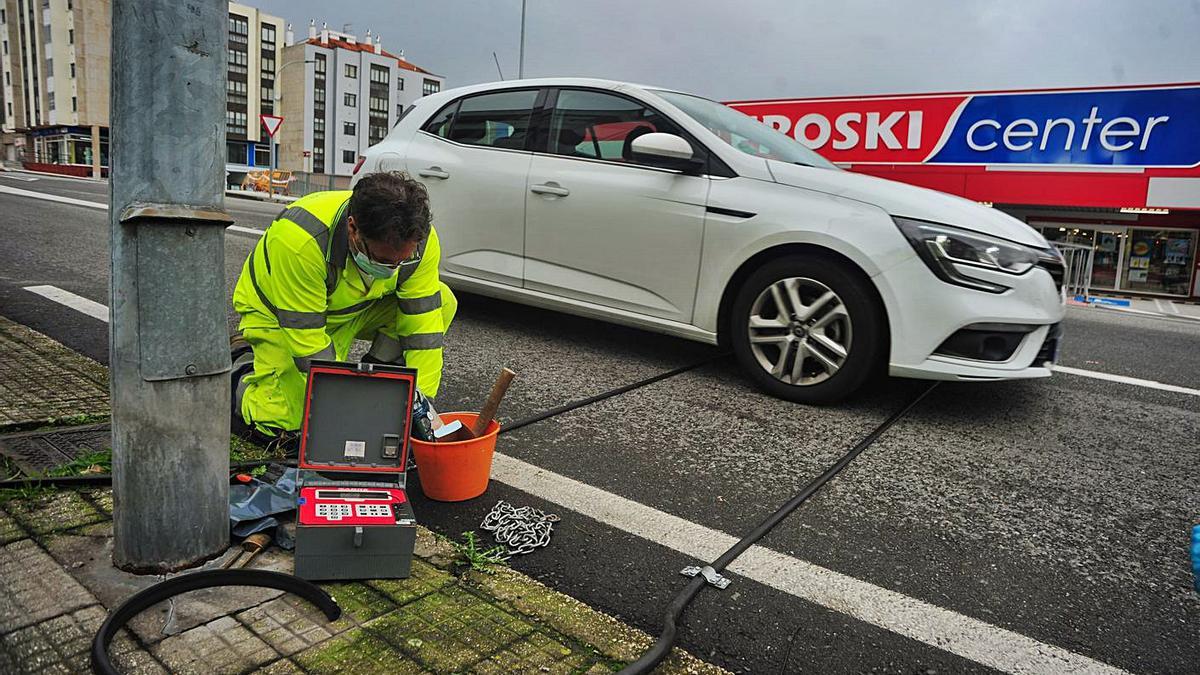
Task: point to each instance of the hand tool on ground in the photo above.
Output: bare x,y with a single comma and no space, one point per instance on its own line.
253,545
490,406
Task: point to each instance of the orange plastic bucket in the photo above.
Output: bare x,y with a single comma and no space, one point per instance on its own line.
455,472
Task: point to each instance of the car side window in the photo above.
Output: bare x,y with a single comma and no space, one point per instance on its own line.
597,125
439,124
498,120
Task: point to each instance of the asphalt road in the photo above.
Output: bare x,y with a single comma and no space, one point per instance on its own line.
1058,510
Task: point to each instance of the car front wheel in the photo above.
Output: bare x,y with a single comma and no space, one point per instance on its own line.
807,329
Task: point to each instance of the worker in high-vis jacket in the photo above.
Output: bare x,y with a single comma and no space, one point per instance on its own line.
333,267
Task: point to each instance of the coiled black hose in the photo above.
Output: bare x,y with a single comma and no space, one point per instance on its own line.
143,600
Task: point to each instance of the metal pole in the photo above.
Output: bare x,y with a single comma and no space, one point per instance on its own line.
96,151
521,58
168,347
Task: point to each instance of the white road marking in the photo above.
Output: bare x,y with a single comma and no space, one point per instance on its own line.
1173,307
27,179
4,189
246,230
935,626
75,302
1124,379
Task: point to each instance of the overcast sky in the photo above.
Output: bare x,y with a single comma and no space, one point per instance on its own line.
747,49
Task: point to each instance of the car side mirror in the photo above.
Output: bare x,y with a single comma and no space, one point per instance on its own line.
665,150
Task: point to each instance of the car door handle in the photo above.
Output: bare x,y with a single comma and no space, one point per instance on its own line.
550,188
434,172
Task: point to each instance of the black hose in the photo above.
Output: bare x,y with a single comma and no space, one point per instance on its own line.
667,638
573,405
155,594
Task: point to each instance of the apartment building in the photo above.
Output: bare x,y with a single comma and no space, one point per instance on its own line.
54,97
343,96
256,43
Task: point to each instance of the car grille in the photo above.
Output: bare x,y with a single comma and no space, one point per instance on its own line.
1056,269
1049,350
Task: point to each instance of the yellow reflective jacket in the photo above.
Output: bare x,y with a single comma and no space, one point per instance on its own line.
300,280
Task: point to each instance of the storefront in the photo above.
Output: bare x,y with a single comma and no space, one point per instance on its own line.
1116,169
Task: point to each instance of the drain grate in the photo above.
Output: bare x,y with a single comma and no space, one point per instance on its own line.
39,451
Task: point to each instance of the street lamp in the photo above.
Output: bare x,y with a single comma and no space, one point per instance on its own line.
521,58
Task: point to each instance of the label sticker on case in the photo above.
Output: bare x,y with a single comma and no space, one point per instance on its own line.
356,449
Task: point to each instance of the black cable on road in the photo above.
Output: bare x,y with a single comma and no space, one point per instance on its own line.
102,479
575,405
667,639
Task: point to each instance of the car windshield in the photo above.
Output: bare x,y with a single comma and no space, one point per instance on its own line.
744,132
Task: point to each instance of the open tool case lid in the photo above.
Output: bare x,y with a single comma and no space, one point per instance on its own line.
357,418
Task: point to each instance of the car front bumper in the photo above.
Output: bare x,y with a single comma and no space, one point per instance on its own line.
924,312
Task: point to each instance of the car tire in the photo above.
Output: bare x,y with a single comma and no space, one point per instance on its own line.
830,315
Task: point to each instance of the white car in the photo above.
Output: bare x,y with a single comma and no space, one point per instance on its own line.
676,214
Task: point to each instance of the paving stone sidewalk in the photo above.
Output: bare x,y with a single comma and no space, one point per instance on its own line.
57,584
42,381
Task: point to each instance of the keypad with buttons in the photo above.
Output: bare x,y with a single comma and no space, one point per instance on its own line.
335,511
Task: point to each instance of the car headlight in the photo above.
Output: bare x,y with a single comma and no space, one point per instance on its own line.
944,249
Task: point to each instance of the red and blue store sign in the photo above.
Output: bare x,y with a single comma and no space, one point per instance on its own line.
1156,127
1140,132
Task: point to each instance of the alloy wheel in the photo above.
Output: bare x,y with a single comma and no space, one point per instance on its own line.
800,331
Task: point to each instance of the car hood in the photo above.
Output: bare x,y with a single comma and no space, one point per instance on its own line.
901,199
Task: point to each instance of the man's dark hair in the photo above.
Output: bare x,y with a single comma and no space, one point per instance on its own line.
391,208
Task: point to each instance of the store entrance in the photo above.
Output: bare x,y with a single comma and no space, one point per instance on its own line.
1134,259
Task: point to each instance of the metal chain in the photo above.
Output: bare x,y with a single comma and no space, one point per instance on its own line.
520,529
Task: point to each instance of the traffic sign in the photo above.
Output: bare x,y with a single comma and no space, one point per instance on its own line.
271,123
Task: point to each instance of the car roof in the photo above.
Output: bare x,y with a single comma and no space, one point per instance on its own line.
541,82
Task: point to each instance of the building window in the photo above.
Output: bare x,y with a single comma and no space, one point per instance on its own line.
268,34
8,78
237,61
319,95
6,47
51,104
349,157
376,104
400,83
3,16
49,67
239,28
430,87
319,66
351,101
349,128
235,153
235,123
399,110
380,74
70,36
262,155
268,64
235,92
72,71
318,125
74,104
351,71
